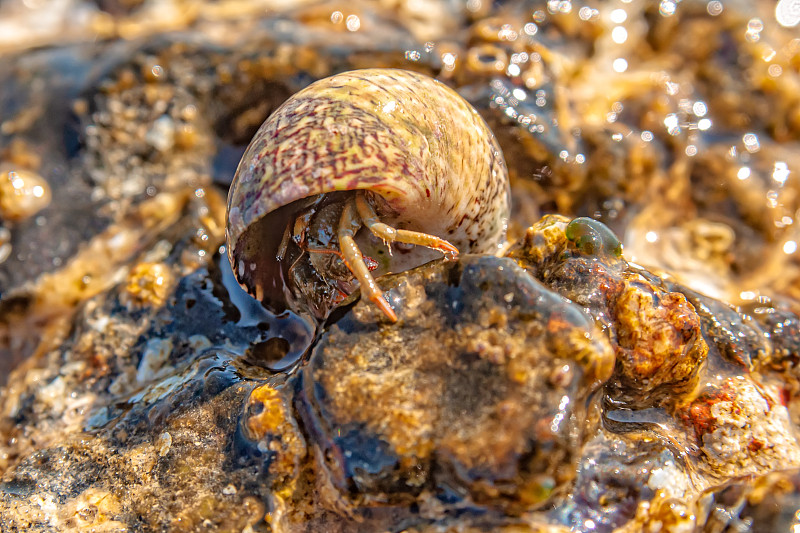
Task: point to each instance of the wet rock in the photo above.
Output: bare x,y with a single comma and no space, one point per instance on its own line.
131,423
270,424
682,359
655,333
732,333
617,474
740,428
762,504
36,101
22,194
172,476
474,400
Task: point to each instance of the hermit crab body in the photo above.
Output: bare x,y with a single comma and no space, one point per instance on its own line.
382,163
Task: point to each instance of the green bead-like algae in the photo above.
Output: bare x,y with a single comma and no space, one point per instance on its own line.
592,237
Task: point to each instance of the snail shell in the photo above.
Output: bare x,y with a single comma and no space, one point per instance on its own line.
427,158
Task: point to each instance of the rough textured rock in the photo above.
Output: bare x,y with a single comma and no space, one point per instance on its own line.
478,395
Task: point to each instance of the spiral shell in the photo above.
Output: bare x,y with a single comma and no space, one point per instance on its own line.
398,134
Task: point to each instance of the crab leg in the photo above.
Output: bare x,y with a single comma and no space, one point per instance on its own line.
389,234
354,259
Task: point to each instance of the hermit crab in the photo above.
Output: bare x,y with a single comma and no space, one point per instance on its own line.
357,175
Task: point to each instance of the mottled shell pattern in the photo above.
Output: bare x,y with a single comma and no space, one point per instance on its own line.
399,134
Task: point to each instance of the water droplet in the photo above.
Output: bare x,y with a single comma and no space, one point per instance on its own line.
619,35
714,8
618,16
586,13
672,125
787,13
667,8
699,108
780,172
743,173
353,23
751,142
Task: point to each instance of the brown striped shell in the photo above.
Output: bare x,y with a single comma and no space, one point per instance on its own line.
407,138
